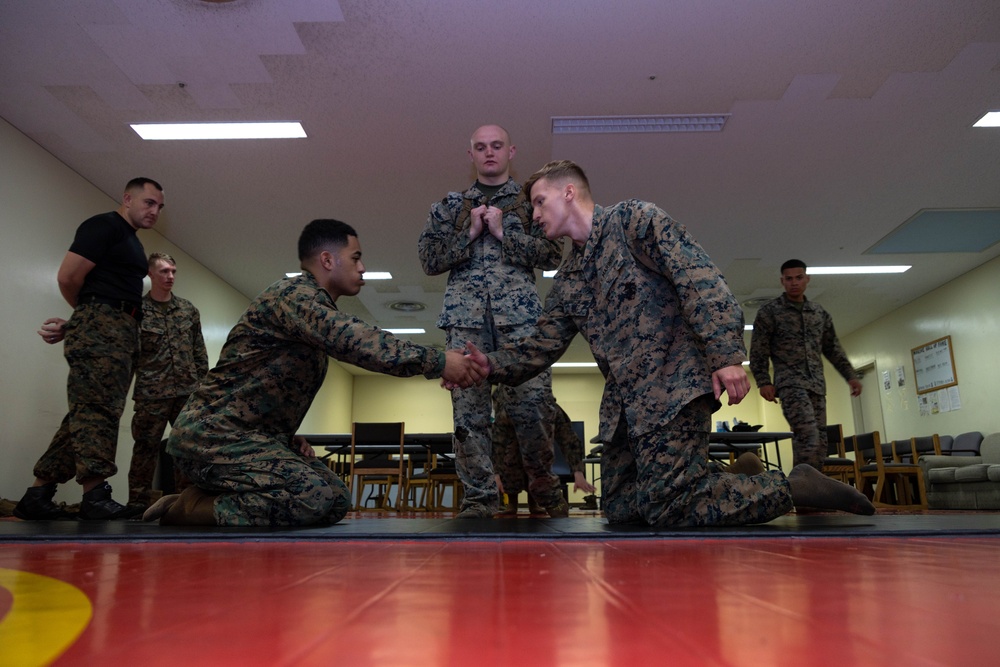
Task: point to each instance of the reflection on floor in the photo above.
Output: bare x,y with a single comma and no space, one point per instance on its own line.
849,594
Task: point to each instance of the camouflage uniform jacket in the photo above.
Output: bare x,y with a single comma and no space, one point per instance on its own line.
486,274
271,367
794,340
172,355
655,310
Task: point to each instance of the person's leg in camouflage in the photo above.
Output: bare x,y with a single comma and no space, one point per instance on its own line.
148,424
618,478
805,412
471,409
276,492
100,346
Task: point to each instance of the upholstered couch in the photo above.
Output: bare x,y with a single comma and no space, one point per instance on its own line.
964,482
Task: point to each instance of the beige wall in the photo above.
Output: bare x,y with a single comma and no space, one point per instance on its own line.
967,309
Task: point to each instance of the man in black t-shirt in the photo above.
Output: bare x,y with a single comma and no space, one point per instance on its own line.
101,278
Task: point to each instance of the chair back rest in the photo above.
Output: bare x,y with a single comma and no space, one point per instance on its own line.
388,435
835,440
946,441
902,450
967,444
377,433
926,444
869,447
888,450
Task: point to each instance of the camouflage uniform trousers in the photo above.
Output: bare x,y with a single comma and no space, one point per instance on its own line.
101,347
148,424
526,467
529,411
293,491
666,479
806,415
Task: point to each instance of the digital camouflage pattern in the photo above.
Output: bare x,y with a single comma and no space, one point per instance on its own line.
530,412
149,421
805,412
666,478
515,462
172,361
487,276
491,299
101,346
275,492
172,355
794,340
242,418
659,319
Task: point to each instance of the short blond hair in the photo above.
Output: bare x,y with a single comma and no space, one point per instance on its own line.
561,171
155,257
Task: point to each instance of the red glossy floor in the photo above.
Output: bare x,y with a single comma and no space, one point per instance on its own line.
700,601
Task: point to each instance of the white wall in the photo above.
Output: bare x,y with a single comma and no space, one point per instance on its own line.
42,202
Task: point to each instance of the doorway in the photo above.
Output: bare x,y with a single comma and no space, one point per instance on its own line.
867,407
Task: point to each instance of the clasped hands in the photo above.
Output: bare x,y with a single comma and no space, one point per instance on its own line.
486,217
464,368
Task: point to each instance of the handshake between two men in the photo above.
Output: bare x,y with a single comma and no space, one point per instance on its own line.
464,368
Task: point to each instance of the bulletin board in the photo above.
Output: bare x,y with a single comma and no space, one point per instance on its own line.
934,365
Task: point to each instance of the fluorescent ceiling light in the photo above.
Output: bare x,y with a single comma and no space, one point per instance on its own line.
368,275
662,123
399,332
175,131
991,119
748,327
575,364
844,270
550,274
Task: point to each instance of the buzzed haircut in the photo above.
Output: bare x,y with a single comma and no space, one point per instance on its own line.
793,264
560,170
140,183
322,233
155,257
502,129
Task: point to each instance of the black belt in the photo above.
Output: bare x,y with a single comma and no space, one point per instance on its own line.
132,310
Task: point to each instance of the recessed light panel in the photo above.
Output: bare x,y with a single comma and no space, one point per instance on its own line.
849,270
190,131
638,124
991,119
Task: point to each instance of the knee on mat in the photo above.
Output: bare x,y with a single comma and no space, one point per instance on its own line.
619,511
322,504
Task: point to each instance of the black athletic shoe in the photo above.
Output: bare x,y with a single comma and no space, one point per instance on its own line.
98,505
37,505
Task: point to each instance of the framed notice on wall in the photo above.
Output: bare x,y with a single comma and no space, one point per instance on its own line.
934,365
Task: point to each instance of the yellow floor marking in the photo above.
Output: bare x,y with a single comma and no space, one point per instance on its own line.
46,616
